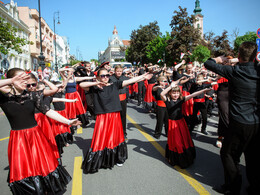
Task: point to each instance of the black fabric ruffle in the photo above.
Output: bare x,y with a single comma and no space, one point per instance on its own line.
62,140
106,158
83,119
53,183
183,160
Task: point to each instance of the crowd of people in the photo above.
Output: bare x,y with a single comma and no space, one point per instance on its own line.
181,96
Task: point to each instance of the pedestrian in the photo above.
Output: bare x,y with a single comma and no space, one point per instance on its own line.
117,76
244,111
180,149
54,76
33,167
47,73
161,111
108,145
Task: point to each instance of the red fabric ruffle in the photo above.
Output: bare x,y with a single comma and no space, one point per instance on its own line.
60,128
187,106
148,95
29,154
75,108
45,126
108,132
179,137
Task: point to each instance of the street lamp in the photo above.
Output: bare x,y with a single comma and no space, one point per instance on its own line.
55,43
41,56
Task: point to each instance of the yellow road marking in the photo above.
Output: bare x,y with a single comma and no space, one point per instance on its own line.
77,176
2,139
185,174
79,130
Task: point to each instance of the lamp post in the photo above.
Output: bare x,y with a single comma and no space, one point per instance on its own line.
41,56
55,43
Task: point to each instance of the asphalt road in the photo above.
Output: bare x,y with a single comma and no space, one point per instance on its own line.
146,171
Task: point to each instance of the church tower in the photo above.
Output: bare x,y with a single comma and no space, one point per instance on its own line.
199,17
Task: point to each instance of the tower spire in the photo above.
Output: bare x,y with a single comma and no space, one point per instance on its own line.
197,9
115,31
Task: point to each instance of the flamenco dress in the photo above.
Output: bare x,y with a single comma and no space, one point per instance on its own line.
148,98
61,131
45,126
75,109
108,145
180,149
33,167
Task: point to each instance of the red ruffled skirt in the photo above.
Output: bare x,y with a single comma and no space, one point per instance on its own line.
180,149
60,128
148,94
31,159
45,127
108,145
75,108
62,132
187,106
82,96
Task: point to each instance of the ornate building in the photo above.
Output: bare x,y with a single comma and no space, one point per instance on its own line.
9,12
115,50
199,17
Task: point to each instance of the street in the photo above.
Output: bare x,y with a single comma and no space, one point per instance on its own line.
146,171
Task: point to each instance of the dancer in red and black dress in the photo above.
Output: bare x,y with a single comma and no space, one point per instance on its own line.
180,149
34,169
161,111
108,145
41,119
149,99
76,109
61,131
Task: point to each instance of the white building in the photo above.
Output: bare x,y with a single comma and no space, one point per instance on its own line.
9,13
115,50
62,49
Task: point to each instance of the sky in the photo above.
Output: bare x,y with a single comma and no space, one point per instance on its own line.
89,24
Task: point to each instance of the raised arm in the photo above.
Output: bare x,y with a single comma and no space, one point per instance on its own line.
63,100
145,76
188,97
57,117
79,79
53,88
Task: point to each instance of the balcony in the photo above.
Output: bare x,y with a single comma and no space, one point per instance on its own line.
35,14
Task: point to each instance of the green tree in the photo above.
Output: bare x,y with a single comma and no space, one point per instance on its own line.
184,37
200,54
249,36
139,40
9,39
222,45
156,49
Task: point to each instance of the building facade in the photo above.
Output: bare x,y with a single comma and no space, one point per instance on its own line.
31,18
9,13
115,50
62,48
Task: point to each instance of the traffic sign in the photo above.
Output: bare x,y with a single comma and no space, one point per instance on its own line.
258,33
258,44
258,56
